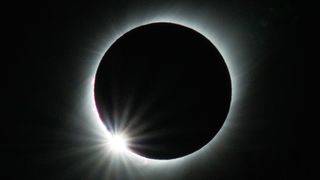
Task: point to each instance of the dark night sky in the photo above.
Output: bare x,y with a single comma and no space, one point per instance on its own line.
53,47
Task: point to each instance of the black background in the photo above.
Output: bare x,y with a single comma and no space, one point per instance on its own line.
48,47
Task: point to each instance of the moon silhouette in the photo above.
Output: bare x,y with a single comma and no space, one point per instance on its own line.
166,87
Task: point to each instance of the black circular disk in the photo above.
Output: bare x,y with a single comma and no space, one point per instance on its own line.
166,87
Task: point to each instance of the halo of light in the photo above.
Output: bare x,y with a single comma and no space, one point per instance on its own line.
224,48
193,26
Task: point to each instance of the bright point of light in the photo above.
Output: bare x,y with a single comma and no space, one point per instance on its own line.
117,143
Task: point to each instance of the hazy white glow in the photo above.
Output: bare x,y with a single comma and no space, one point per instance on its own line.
117,143
218,36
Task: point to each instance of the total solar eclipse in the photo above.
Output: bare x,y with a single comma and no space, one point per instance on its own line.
166,87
